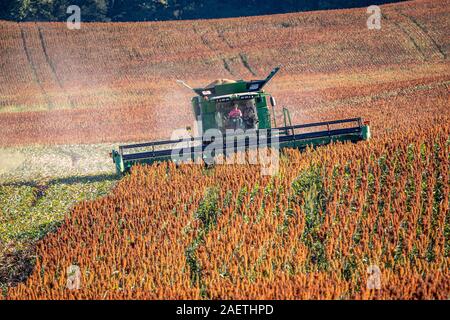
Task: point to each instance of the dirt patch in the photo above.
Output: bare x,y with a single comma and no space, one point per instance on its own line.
10,161
16,263
39,192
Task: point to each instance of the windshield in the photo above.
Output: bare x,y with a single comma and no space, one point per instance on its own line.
238,114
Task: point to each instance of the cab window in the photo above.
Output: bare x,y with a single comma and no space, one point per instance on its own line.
248,120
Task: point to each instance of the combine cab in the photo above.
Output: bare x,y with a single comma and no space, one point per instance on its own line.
240,106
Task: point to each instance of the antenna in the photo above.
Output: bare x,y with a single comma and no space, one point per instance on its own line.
184,84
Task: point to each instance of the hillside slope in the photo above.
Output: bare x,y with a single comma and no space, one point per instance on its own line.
115,81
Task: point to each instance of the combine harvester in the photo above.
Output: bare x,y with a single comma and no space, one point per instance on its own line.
212,106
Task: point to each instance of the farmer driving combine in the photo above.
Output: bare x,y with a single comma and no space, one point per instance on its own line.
235,117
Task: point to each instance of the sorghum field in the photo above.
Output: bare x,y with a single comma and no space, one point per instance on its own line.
309,232
312,231
116,82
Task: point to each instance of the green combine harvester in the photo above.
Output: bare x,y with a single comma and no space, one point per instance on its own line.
240,106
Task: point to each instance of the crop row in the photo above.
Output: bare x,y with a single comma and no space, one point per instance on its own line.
311,231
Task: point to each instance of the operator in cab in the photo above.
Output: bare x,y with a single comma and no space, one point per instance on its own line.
249,118
235,117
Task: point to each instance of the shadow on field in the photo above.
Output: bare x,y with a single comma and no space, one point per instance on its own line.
63,180
16,264
18,256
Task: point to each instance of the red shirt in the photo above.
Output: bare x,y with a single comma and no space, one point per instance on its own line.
235,113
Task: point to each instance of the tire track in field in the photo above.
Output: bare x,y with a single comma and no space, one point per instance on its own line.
210,47
227,66
52,67
221,36
203,38
385,94
246,64
426,34
33,68
241,56
423,43
405,33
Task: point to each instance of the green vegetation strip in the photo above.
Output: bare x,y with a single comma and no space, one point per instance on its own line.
30,210
207,213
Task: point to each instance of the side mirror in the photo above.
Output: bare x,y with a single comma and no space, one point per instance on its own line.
273,101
